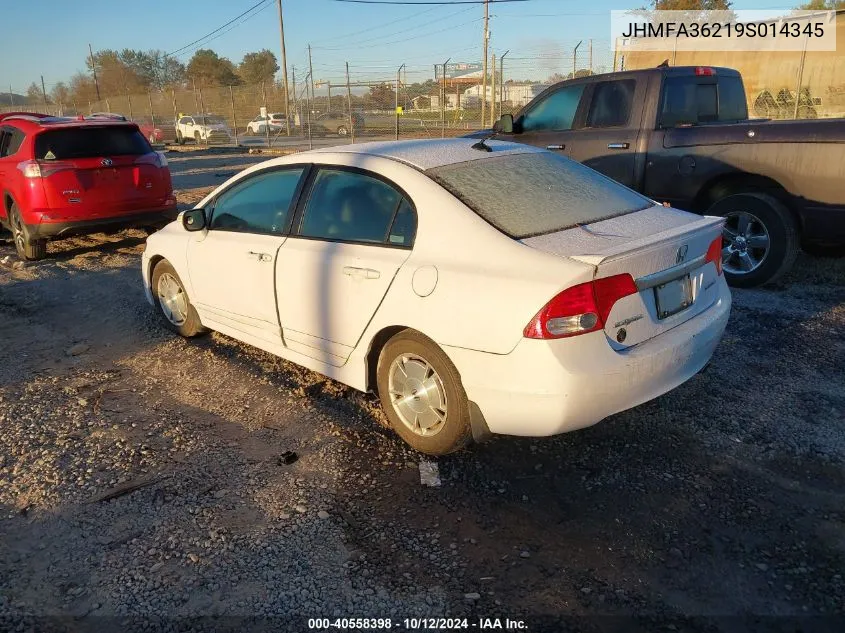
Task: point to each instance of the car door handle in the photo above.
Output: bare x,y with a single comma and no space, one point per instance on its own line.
556,147
361,273
262,257
618,145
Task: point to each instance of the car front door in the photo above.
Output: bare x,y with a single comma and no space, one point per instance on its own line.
231,263
354,232
607,140
550,121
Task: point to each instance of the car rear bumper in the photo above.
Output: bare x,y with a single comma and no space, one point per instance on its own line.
550,387
152,217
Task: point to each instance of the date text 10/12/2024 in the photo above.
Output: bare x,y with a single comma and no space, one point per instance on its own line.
417,624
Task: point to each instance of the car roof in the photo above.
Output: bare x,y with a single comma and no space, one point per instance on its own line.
31,122
427,154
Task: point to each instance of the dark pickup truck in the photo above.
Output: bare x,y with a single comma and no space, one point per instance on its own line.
682,135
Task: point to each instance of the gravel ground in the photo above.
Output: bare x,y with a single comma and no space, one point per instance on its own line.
716,507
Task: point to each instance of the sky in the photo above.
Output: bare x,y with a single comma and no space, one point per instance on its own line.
540,35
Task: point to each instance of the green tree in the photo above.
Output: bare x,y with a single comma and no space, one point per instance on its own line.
381,97
823,5
114,75
82,89
258,67
206,68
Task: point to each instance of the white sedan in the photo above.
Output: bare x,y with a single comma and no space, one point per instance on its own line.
476,288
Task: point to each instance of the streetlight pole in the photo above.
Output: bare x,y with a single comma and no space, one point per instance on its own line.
484,65
398,75
575,58
502,80
284,69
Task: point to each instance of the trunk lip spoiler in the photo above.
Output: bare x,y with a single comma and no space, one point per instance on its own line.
668,274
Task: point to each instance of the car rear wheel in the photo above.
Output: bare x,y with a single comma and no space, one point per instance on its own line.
180,140
174,306
422,395
25,246
197,138
759,239
342,131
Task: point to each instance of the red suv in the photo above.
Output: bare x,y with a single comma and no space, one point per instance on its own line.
66,176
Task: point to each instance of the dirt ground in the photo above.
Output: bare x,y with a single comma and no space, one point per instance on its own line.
718,507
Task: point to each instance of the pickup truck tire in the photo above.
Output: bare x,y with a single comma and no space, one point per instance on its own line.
422,395
26,248
760,238
174,305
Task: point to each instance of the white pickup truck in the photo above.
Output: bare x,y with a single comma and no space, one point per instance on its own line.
203,128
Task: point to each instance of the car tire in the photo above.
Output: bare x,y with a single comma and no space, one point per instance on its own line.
26,247
180,140
410,363
197,138
756,218
178,315
342,131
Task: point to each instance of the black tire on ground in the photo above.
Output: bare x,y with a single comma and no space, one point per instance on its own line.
191,326
26,247
180,140
455,432
780,226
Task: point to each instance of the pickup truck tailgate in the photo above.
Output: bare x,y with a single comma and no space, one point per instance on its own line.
665,252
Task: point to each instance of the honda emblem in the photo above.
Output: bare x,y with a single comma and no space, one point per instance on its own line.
107,162
682,254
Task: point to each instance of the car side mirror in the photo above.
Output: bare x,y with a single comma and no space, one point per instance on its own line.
504,125
193,220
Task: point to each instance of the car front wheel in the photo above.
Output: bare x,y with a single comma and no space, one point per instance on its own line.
759,239
174,305
422,395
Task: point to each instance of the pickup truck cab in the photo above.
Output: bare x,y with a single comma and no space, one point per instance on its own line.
682,135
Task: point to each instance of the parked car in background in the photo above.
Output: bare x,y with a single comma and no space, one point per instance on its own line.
64,176
495,288
260,123
203,128
156,132
336,123
681,134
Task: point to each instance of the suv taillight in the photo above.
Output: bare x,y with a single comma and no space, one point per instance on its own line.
154,158
580,309
43,168
714,254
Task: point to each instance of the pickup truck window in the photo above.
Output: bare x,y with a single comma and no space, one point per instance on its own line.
524,195
611,105
554,113
688,100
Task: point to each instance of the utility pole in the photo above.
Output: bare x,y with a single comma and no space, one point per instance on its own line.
591,56
284,69
502,81
398,75
493,90
43,91
349,105
484,65
94,70
575,58
295,108
11,98
311,74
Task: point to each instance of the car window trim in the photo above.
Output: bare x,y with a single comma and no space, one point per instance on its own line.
306,196
297,194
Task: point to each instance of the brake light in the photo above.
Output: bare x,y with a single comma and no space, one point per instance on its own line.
580,309
43,168
704,71
714,254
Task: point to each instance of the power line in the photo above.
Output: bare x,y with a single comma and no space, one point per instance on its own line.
440,2
219,28
378,26
221,34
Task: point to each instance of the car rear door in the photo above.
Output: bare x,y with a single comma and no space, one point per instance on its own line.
354,232
607,140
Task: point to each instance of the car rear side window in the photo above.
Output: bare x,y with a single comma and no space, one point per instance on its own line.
90,142
11,141
530,194
349,206
259,204
611,105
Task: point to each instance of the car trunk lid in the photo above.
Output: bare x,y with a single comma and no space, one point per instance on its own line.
665,252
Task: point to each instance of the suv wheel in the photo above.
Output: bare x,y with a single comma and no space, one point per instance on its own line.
26,247
759,240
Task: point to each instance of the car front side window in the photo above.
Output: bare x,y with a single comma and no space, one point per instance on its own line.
262,203
555,113
349,206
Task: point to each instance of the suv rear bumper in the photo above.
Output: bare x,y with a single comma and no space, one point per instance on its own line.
153,217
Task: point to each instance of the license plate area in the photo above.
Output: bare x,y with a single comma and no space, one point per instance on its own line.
673,296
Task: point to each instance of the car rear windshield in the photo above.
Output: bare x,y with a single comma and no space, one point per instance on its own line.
524,195
90,142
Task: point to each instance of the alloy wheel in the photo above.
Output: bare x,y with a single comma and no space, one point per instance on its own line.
417,394
745,243
172,299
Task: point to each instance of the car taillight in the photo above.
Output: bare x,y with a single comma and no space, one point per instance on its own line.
43,168
580,309
714,254
704,71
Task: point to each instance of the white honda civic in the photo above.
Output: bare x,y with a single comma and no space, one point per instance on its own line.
475,287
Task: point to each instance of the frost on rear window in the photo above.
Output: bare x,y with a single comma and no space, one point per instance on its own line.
532,194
